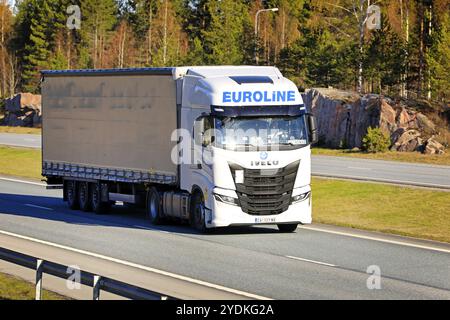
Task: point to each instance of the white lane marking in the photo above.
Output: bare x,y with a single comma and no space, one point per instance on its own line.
359,168
151,229
20,145
404,182
138,266
38,207
353,235
23,181
312,261
144,228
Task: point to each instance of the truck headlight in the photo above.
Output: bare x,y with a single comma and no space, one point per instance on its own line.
226,199
301,197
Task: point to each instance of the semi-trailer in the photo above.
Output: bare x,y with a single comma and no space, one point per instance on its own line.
216,146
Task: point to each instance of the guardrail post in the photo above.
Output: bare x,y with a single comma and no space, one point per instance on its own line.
39,267
96,288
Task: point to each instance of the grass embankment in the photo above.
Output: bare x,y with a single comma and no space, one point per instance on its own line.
12,288
21,130
415,157
20,162
399,210
406,211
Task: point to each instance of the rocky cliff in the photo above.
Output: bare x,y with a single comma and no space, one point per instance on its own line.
23,110
343,118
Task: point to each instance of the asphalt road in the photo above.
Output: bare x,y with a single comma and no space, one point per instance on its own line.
415,174
313,263
21,140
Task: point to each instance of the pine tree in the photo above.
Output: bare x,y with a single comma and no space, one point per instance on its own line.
384,62
141,16
170,42
438,60
98,20
37,50
5,57
223,40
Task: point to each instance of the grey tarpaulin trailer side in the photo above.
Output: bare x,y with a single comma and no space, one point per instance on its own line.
113,125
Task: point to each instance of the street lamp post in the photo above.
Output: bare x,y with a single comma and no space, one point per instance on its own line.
256,31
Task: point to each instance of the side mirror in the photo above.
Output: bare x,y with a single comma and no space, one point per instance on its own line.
312,126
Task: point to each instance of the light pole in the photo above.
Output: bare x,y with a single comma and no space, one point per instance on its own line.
256,31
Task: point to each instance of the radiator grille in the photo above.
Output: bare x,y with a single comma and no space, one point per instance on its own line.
266,191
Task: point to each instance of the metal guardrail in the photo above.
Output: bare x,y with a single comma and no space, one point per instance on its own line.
97,282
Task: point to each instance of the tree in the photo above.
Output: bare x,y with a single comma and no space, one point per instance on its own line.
313,42
384,62
324,54
376,141
277,30
63,40
158,27
223,39
170,40
40,39
37,49
438,59
6,20
122,47
98,20
141,16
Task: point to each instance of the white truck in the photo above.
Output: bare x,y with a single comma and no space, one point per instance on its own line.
216,146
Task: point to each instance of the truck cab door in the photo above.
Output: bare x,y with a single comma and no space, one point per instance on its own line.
203,141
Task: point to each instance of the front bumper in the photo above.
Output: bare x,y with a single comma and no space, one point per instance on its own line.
224,214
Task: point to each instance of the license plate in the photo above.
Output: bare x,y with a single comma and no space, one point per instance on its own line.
265,220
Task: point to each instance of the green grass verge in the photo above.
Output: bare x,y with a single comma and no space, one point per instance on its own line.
20,162
415,157
12,288
399,210
21,130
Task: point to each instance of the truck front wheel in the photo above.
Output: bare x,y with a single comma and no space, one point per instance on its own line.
71,194
154,208
287,227
197,215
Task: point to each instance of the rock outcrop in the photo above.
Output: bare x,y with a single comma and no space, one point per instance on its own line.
23,110
343,119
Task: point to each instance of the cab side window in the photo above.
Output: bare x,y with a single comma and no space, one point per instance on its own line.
203,131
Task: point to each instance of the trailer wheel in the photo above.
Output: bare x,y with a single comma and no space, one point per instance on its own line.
71,194
154,207
98,206
287,227
83,196
197,215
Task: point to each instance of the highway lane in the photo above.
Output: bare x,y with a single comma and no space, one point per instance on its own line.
254,260
21,140
415,174
337,167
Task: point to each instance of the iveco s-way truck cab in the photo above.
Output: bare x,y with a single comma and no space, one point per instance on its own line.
217,146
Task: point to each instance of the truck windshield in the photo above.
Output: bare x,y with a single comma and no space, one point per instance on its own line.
261,133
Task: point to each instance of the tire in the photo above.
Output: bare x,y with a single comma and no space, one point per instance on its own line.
197,216
154,207
287,227
84,196
95,195
72,194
